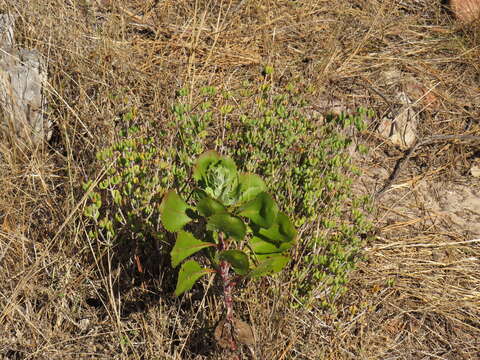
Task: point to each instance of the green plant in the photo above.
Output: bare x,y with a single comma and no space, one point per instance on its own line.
266,129
124,201
306,161
237,224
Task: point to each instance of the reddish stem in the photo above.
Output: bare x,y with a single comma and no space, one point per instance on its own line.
226,283
227,288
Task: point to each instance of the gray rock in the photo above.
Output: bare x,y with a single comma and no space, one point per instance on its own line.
400,124
402,128
23,77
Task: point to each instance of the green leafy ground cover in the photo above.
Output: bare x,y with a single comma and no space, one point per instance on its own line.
265,129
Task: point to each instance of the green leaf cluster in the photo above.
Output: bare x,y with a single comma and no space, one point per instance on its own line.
235,207
271,136
124,202
269,130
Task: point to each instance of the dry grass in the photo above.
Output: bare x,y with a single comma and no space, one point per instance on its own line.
417,295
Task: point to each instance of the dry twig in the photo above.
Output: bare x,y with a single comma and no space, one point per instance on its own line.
411,152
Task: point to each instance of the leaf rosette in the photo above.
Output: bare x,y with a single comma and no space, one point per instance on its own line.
235,220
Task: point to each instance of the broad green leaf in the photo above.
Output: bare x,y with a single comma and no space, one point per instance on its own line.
218,177
185,246
263,248
281,230
189,273
262,210
230,225
207,206
269,266
228,163
238,259
250,185
173,212
203,163
222,181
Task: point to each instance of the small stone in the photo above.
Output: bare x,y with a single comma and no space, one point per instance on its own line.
224,335
84,324
243,332
402,129
227,334
475,171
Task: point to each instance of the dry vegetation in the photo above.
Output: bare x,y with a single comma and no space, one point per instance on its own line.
417,294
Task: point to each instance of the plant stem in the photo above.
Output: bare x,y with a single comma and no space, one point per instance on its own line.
226,283
227,288
227,294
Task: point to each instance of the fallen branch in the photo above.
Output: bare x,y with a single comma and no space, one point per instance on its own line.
410,152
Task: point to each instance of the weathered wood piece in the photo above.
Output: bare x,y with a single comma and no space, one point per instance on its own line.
23,77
